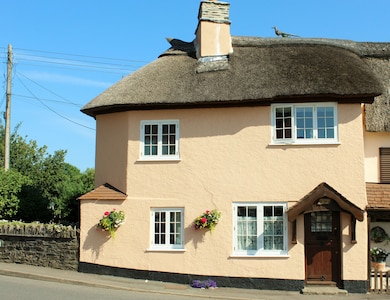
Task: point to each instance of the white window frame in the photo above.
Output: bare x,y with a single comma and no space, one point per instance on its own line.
260,251
167,245
299,141
159,155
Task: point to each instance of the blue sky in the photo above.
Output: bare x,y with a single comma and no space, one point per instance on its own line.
66,52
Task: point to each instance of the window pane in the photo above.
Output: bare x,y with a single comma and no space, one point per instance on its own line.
164,150
147,150
278,211
165,129
300,134
154,150
172,128
147,129
267,211
321,122
329,112
329,122
304,121
268,228
172,150
301,123
309,133
154,129
279,134
273,228
283,122
278,243
246,228
321,112
268,243
321,221
325,122
252,212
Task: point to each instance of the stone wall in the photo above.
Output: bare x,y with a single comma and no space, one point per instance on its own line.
45,249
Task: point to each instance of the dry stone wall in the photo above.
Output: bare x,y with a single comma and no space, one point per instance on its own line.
44,248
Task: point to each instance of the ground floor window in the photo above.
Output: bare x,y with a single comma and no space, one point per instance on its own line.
167,228
260,229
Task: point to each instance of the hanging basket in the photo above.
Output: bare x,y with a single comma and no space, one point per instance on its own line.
378,234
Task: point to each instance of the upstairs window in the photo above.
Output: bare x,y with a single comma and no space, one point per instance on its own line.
304,123
384,165
159,140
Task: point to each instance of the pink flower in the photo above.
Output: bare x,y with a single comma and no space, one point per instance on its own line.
106,213
207,211
203,220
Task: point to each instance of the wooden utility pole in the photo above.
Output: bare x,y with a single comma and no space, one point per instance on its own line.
7,114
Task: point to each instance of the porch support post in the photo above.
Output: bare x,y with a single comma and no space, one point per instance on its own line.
294,232
353,230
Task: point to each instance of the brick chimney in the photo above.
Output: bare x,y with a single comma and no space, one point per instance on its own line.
213,39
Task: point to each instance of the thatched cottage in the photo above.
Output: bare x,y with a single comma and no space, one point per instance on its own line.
280,136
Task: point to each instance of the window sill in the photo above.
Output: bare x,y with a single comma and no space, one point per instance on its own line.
307,143
259,256
164,250
159,159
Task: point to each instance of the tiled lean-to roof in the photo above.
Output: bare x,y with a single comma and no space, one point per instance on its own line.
104,192
378,196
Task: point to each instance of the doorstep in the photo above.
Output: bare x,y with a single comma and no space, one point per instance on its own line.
314,289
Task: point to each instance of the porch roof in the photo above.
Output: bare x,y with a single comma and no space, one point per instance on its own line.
378,196
321,191
104,192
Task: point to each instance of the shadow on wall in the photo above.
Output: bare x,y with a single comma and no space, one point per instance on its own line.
95,242
195,236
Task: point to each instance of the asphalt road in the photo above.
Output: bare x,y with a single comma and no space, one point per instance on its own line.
15,288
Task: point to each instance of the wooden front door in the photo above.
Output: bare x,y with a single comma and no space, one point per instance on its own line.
322,247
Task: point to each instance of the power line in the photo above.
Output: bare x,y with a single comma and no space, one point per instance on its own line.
76,65
45,99
80,55
49,108
41,86
76,60
97,64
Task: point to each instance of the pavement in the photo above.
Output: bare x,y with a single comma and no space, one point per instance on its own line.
158,287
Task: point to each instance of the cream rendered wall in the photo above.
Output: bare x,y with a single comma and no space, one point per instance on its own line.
111,150
213,39
372,142
225,157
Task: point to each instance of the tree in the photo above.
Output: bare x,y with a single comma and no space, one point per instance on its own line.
51,187
11,183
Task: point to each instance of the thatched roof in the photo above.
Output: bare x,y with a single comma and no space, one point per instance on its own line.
377,114
259,72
